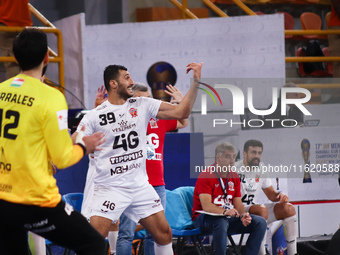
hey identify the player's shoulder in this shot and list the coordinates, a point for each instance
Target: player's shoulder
(136, 101)
(90, 114)
(50, 97)
(143, 100)
(103, 106)
(47, 92)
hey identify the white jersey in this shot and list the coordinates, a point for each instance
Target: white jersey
(121, 162)
(251, 184)
(89, 188)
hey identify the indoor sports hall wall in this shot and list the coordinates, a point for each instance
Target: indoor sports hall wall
(248, 51)
(235, 47)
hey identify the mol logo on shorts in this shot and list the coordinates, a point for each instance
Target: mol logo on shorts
(158, 203)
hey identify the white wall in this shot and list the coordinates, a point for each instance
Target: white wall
(318, 219)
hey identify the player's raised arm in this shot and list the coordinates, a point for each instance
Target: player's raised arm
(177, 97)
(183, 109)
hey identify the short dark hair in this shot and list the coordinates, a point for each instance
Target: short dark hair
(253, 143)
(30, 48)
(111, 73)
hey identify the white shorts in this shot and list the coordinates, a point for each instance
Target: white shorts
(270, 209)
(88, 190)
(138, 203)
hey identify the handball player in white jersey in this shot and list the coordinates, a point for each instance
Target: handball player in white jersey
(120, 181)
(251, 185)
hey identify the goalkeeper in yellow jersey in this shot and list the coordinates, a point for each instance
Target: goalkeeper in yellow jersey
(33, 133)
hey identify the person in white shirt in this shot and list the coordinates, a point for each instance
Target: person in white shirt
(120, 181)
(251, 185)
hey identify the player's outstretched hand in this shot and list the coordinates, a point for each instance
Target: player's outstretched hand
(91, 142)
(100, 96)
(175, 93)
(196, 68)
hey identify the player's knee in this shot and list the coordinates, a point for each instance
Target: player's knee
(263, 212)
(260, 211)
(114, 226)
(288, 210)
(164, 237)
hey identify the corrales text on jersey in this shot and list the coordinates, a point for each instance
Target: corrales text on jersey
(16, 98)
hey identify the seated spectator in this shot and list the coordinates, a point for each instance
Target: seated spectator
(218, 191)
(251, 185)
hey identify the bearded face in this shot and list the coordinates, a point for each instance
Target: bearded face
(253, 156)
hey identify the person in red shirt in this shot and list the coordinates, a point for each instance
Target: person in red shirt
(218, 208)
(13, 13)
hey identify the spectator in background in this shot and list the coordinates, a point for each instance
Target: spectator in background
(218, 193)
(334, 47)
(293, 112)
(13, 13)
(251, 185)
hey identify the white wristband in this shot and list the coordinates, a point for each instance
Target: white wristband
(79, 138)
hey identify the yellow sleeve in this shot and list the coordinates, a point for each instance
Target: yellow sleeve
(59, 144)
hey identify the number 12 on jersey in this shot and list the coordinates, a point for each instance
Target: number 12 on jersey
(13, 116)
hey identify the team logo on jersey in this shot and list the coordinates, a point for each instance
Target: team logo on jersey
(250, 187)
(231, 186)
(153, 123)
(122, 123)
(133, 112)
(257, 178)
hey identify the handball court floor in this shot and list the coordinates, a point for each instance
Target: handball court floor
(315, 245)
